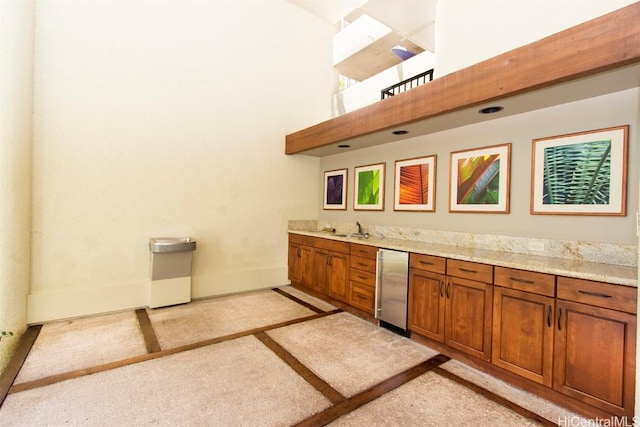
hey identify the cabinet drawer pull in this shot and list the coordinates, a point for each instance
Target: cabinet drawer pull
(362, 251)
(329, 259)
(362, 277)
(595, 294)
(549, 316)
(526, 282)
(425, 262)
(442, 288)
(362, 264)
(467, 270)
(361, 297)
(448, 290)
(299, 253)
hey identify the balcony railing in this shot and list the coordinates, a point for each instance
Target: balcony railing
(407, 84)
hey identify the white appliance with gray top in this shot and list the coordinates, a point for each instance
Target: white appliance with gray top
(392, 289)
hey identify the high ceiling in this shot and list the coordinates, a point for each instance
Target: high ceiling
(412, 24)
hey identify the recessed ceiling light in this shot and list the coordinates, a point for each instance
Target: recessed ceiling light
(344, 146)
(491, 110)
(400, 132)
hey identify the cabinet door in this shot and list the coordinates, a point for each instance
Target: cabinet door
(306, 273)
(468, 316)
(339, 275)
(295, 263)
(321, 270)
(523, 334)
(595, 356)
(426, 304)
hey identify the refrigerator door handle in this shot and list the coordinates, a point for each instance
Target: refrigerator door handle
(377, 308)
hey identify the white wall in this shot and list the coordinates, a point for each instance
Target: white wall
(168, 119)
(16, 72)
(470, 31)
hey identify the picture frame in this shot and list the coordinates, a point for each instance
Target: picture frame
(583, 173)
(479, 179)
(415, 184)
(369, 187)
(335, 189)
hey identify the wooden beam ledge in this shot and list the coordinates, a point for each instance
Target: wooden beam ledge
(605, 43)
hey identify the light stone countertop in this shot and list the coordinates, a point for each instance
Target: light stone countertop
(600, 272)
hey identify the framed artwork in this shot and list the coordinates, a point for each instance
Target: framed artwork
(581, 173)
(369, 187)
(479, 180)
(415, 184)
(335, 189)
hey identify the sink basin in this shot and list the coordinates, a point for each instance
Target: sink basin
(358, 235)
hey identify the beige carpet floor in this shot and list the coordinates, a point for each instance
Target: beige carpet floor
(249, 378)
(350, 353)
(81, 343)
(216, 317)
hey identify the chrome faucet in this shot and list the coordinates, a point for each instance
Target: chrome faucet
(360, 233)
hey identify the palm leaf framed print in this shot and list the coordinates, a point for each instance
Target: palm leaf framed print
(581, 173)
(479, 180)
(415, 184)
(369, 187)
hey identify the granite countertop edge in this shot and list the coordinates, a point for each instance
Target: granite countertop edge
(599, 272)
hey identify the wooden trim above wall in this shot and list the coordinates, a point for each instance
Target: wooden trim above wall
(606, 43)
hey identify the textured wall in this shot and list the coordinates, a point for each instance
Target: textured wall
(16, 48)
(168, 119)
(484, 29)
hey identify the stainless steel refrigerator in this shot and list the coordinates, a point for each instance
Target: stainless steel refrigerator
(392, 286)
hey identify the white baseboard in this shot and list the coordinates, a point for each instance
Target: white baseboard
(64, 304)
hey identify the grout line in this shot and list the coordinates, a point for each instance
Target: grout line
(148, 333)
(143, 358)
(352, 403)
(318, 383)
(494, 397)
(17, 360)
(298, 300)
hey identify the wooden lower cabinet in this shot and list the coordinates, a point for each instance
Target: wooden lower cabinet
(523, 334)
(453, 310)
(362, 277)
(523, 315)
(331, 273)
(339, 276)
(295, 262)
(300, 260)
(468, 316)
(595, 356)
(427, 303)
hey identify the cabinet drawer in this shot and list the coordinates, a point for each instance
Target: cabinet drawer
(302, 240)
(528, 281)
(470, 270)
(362, 297)
(431, 263)
(364, 251)
(364, 264)
(332, 245)
(615, 297)
(364, 277)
